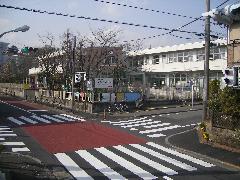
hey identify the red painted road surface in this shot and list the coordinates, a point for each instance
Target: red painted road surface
(57, 138)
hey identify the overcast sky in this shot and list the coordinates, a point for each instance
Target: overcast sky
(57, 25)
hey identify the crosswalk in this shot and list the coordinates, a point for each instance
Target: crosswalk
(6, 134)
(46, 119)
(133, 161)
(150, 126)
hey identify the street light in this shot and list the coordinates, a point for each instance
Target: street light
(22, 29)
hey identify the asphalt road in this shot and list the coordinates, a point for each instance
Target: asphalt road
(123, 148)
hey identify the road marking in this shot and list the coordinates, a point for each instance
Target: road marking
(2, 139)
(164, 158)
(181, 155)
(156, 135)
(12, 143)
(103, 168)
(147, 161)
(159, 129)
(52, 118)
(28, 120)
(142, 124)
(135, 122)
(131, 120)
(157, 125)
(25, 149)
(160, 115)
(73, 117)
(133, 129)
(6, 135)
(5, 128)
(41, 119)
(9, 131)
(15, 120)
(177, 113)
(38, 110)
(127, 164)
(64, 118)
(72, 167)
(167, 178)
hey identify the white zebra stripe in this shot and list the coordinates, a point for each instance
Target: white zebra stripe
(2, 139)
(127, 164)
(181, 155)
(52, 118)
(64, 118)
(72, 167)
(156, 135)
(25, 149)
(141, 124)
(103, 168)
(147, 161)
(157, 125)
(165, 158)
(28, 120)
(9, 131)
(40, 119)
(7, 135)
(15, 121)
(73, 117)
(135, 122)
(126, 121)
(12, 143)
(5, 129)
(159, 130)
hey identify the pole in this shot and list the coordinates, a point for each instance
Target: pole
(73, 71)
(206, 66)
(192, 95)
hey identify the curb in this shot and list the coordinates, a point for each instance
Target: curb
(217, 162)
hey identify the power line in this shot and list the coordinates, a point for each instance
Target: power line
(222, 3)
(146, 9)
(103, 20)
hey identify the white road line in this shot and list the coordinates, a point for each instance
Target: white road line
(25, 149)
(15, 120)
(38, 110)
(128, 165)
(164, 158)
(80, 119)
(4, 129)
(160, 115)
(133, 129)
(41, 119)
(3, 126)
(2, 139)
(135, 122)
(156, 135)
(159, 129)
(72, 167)
(28, 120)
(167, 178)
(103, 168)
(147, 161)
(64, 118)
(177, 113)
(181, 155)
(52, 118)
(12, 143)
(141, 124)
(131, 120)
(7, 135)
(157, 125)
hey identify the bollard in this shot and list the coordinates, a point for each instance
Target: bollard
(104, 114)
(26, 96)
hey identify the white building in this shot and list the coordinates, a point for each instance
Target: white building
(176, 66)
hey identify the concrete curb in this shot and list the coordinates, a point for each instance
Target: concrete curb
(215, 161)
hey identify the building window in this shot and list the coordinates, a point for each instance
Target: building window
(172, 58)
(218, 53)
(180, 57)
(146, 60)
(164, 58)
(156, 59)
(201, 55)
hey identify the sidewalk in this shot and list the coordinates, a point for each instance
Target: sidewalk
(189, 141)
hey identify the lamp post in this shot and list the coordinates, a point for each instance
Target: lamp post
(22, 29)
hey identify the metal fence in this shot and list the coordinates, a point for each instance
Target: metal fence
(224, 121)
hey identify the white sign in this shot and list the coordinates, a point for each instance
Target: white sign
(79, 76)
(103, 82)
(89, 85)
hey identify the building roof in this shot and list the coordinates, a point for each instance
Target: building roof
(180, 47)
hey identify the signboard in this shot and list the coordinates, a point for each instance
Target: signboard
(103, 82)
(79, 76)
(89, 85)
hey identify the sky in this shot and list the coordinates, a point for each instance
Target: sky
(42, 24)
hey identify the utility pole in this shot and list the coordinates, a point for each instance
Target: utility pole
(206, 65)
(73, 71)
